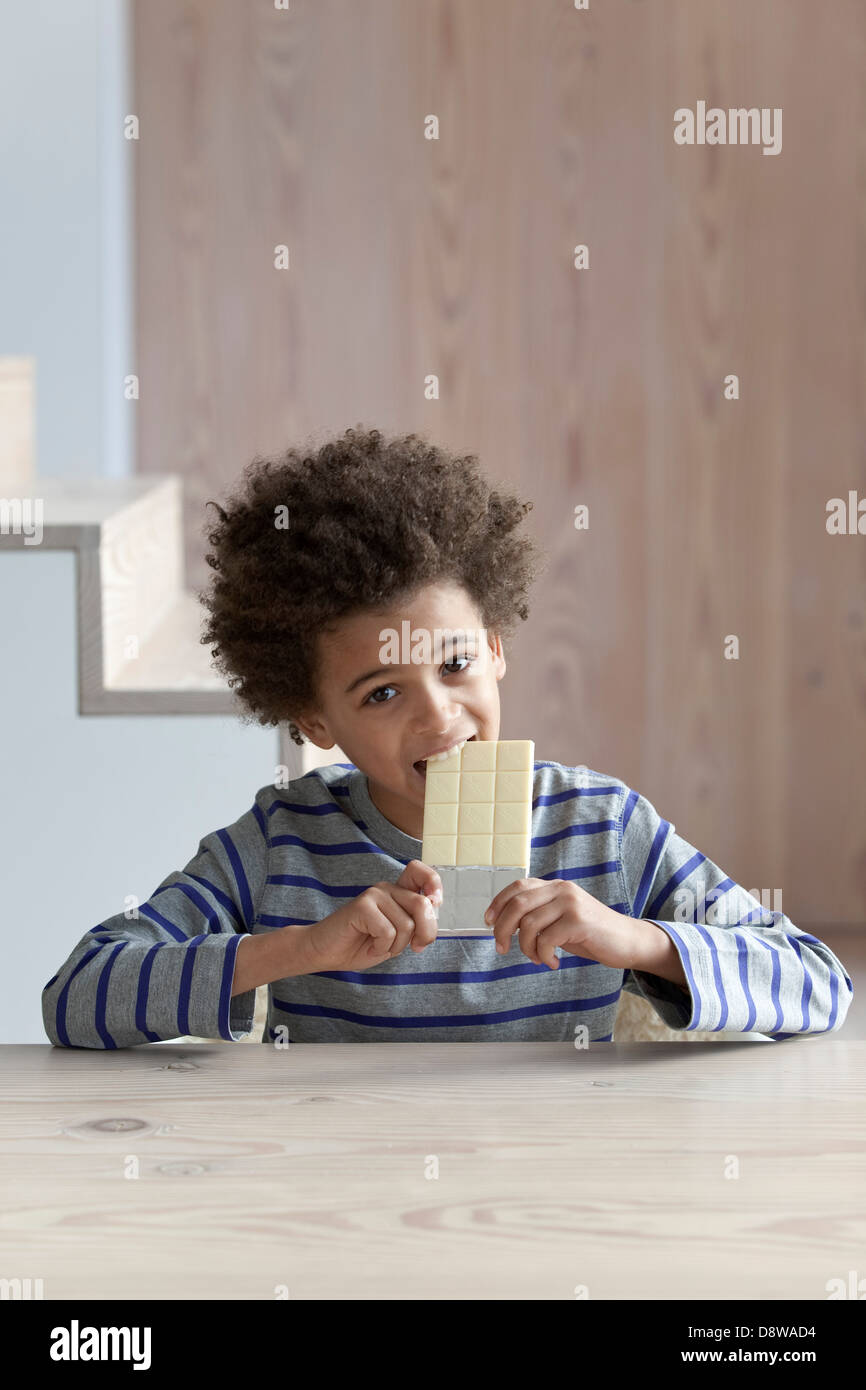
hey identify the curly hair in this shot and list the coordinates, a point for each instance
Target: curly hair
(370, 521)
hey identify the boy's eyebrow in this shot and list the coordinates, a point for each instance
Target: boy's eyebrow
(379, 671)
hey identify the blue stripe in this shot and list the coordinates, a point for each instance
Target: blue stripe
(343, 847)
(60, 1013)
(775, 996)
(610, 866)
(807, 984)
(448, 977)
(717, 977)
(557, 798)
(764, 916)
(834, 999)
(719, 890)
(650, 868)
(628, 806)
(175, 932)
(303, 881)
(570, 831)
(102, 997)
(209, 912)
(299, 809)
(222, 898)
(185, 989)
(452, 1020)
(684, 871)
(239, 872)
(225, 1001)
(142, 994)
(262, 823)
(743, 964)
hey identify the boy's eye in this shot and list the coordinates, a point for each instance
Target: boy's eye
(377, 691)
(379, 688)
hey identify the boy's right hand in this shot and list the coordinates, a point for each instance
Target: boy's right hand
(378, 924)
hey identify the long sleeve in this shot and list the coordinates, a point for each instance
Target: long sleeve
(168, 972)
(748, 969)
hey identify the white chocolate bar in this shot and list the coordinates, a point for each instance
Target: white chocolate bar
(477, 827)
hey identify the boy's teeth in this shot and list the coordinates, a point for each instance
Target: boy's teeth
(437, 757)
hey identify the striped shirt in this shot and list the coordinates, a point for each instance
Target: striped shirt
(301, 852)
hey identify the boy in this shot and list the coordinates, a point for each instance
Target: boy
(319, 889)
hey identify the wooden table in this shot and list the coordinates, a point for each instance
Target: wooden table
(302, 1172)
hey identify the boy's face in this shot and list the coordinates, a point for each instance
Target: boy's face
(385, 715)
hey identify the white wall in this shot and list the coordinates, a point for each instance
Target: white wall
(65, 253)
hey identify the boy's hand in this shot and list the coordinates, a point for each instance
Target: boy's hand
(547, 913)
(378, 924)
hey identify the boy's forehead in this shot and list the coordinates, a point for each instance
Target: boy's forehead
(435, 609)
(402, 646)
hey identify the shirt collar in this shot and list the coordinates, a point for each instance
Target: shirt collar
(379, 829)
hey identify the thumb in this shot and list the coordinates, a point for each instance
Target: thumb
(421, 878)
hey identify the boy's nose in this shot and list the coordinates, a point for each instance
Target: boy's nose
(435, 716)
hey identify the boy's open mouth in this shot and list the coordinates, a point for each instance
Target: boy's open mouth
(421, 767)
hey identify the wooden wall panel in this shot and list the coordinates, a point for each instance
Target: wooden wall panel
(604, 387)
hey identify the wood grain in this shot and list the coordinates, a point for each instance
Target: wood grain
(305, 1167)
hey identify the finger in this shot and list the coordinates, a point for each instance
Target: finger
(420, 907)
(376, 925)
(505, 895)
(532, 923)
(403, 922)
(382, 918)
(412, 916)
(522, 901)
(421, 878)
(547, 938)
(426, 923)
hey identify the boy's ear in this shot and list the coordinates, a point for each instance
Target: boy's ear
(494, 641)
(315, 729)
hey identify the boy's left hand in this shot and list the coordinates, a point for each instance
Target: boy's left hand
(547, 913)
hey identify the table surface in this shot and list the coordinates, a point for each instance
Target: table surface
(434, 1170)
